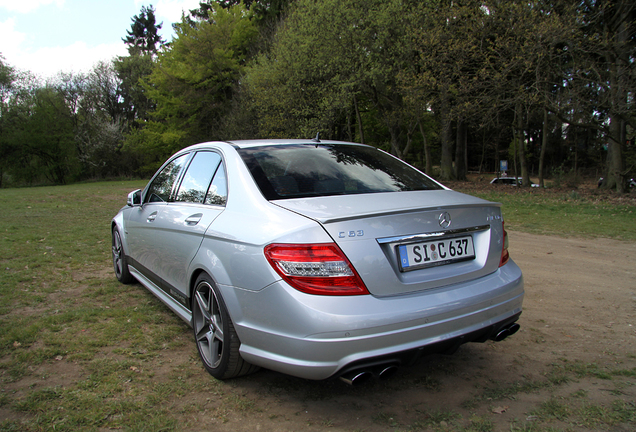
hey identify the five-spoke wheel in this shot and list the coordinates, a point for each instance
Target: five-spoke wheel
(119, 259)
(208, 325)
(217, 341)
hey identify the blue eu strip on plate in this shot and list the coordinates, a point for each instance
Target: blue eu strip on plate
(404, 256)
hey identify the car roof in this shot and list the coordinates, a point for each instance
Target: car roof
(240, 144)
(271, 142)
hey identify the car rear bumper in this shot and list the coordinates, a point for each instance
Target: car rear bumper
(316, 337)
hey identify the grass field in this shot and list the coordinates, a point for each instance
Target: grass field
(583, 212)
(79, 351)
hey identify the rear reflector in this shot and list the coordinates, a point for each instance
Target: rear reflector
(504, 250)
(319, 268)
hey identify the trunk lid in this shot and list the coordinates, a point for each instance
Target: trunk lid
(377, 231)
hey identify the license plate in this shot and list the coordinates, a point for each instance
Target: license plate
(435, 252)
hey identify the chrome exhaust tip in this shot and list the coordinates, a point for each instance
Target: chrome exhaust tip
(514, 328)
(501, 335)
(387, 372)
(356, 378)
(506, 331)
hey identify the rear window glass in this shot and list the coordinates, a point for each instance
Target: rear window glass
(197, 178)
(299, 171)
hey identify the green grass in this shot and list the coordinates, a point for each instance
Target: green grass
(566, 214)
(79, 351)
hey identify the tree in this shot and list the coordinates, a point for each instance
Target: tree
(47, 142)
(101, 125)
(25, 112)
(605, 64)
(483, 65)
(262, 10)
(194, 81)
(8, 87)
(65, 130)
(133, 102)
(448, 39)
(143, 43)
(333, 62)
(547, 83)
(143, 36)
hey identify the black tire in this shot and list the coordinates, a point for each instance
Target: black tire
(217, 341)
(120, 264)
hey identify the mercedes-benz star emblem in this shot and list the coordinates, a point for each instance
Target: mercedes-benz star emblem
(445, 220)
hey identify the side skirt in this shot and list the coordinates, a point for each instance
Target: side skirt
(176, 307)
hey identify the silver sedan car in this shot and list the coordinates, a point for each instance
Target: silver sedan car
(316, 258)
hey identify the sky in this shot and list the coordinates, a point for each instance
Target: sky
(49, 36)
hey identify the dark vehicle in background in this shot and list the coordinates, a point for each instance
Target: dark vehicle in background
(511, 181)
(631, 183)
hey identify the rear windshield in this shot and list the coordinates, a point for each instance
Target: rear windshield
(300, 171)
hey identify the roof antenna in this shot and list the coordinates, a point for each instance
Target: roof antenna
(317, 139)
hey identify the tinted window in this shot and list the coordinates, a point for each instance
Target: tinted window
(197, 177)
(161, 186)
(294, 171)
(217, 194)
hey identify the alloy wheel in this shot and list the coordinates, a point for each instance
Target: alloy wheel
(117, 254)
(208, 325)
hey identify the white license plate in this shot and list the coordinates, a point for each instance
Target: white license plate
(435, 252)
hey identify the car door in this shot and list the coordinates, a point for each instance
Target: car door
(182, 222)
(141, 222)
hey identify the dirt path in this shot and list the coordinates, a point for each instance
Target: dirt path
(571, 365)
(584, 291)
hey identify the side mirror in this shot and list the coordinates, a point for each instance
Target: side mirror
(134, 198)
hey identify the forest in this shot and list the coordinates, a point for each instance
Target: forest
(452, 87)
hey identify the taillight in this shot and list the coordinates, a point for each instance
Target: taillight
(504, 250)
(319, 268)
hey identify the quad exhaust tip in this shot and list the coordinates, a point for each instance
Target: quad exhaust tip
(359, 376)
(506, 331)
(386, 371)
(356, 378)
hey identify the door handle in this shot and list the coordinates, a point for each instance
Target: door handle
(152, 217)
(194, 219)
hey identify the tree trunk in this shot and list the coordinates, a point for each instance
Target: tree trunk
(618, 71)
(544, 145)
(521, 147)
(359, 118)
(497, 159)
(483, 153)
(394, 131)
(409, 136)
(446, 167)
(460, 151)
(616, 137)
(515, 145)
(427, 151)
(615, 155)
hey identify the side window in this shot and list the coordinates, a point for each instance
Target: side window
(161, 186)
(217, 193)
(197, 178)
